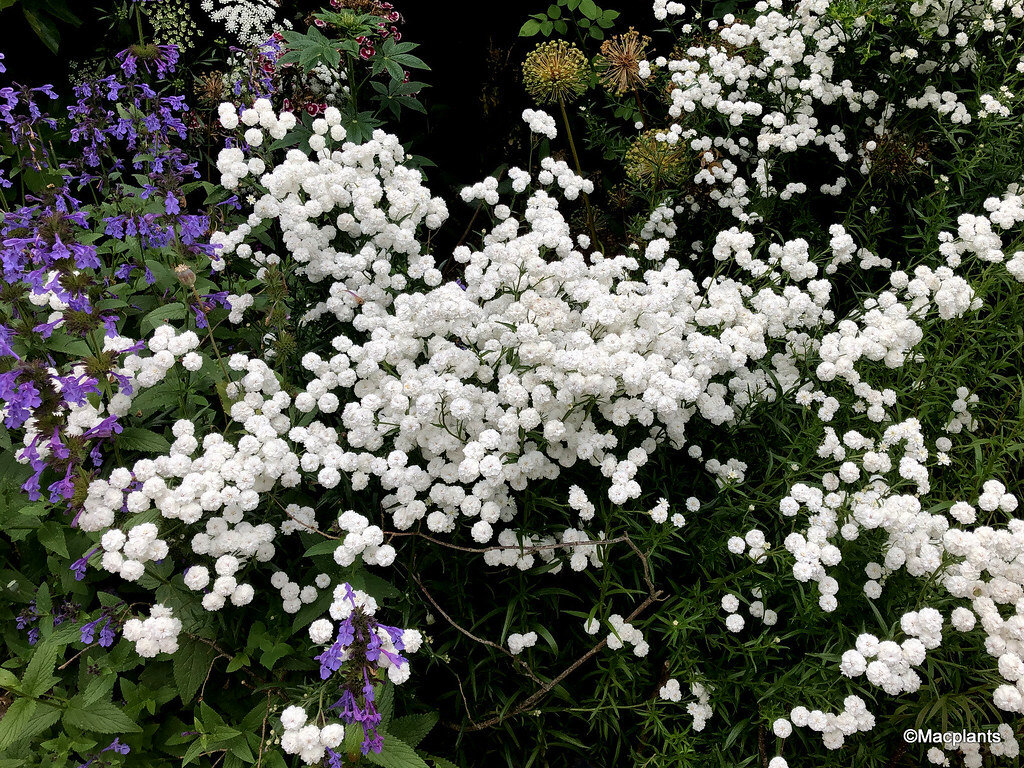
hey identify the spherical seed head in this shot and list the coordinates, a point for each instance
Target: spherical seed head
(651, 160)
(555, 71)
(619, 61)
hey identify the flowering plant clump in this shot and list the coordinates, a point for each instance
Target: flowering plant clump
(700, 445)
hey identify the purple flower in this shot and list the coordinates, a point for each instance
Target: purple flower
(107, 637)
(20, 399)
(6, 337)
(80, 565)
(88, 630)
(114, 746)
(163, 57)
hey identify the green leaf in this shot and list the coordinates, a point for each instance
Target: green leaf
(410, 61)
(39, 677)
(274, 653)
(161, 315)
(45, 716)
(44, 28)
(99, 717)
(145, 440)
(15, 723)
(394, 69)
(8, 680)
(59, 9)
(441, 762)
(325, 547)
(51, 536)
(412, 729)
(589, 9)
(191, 665)
(554, 12)
(396, 754)
(99, 688)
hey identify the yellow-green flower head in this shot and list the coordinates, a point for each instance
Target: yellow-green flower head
(555, 71)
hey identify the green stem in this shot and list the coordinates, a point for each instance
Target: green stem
(579, 170)
(640, 107)
(138, 23)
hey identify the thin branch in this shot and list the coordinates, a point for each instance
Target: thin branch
(517, 547)
(547, 687)
(519, 662)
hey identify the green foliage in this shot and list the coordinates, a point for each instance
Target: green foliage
(584, 17)
(43, 17)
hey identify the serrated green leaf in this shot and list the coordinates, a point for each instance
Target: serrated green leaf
(39, 677)
(145, 440)
(191, 665)
(98, 717)
(412, 729)
(396, 754)
(16, 722)
(410, 61)
(51, 536)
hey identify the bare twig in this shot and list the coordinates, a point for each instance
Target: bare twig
(517, 547)
(654, 595)
(547, 687)
(519, 662)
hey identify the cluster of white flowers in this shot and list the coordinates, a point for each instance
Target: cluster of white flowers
(540, 122)
(755, 540)
(517, 643)
(625, 633)
(250, 22)
(835, 728)
(156, 634)
(888, 664)
(662, 9)
(308, 741)
(126, 555)
(451, 398)
(700, 710)
(362, 539)
(660, 223)
(971, 751)
(558, 171)
(293, 595)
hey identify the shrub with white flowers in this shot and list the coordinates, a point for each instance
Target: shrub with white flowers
(712, 455)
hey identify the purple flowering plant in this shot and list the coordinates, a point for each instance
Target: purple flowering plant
(105, 237)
